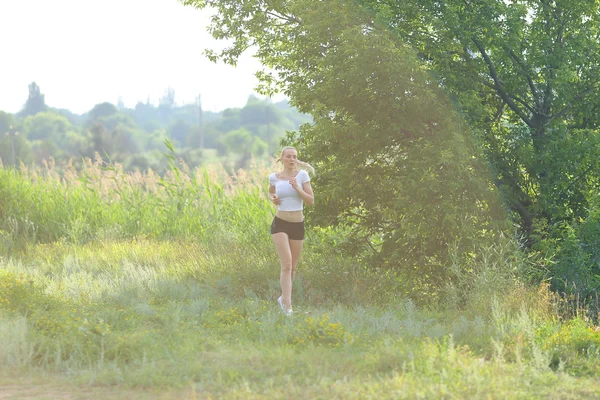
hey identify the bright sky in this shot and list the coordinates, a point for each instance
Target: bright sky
(84, 52)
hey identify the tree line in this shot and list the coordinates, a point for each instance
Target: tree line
(135, 136)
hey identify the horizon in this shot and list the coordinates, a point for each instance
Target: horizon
(81, 55)
(156, 104)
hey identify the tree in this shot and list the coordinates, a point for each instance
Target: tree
(102, 110)
(395, 165)
(525, 73)
(179, 131)
(257, 112)
(209, 135)
(168, 98)
(166, 104)
(243, 143)
(47, 132)
(35, 102)
(47, 125)
(45, 149)
(100, 140)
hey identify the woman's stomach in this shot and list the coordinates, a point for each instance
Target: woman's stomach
(290, 216)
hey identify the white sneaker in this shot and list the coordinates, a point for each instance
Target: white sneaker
(283, 308)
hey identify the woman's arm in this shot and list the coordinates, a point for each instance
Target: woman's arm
(272, 196)
(307, 193)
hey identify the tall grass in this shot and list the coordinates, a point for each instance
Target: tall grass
(138, 280)
(46, 204)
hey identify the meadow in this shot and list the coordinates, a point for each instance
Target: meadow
(132, 285)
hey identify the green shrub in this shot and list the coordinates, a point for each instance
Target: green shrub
(318, 331)
(575, 344)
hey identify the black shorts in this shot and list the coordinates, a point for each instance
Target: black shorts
(294, 230)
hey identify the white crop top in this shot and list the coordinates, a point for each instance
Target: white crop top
(289, 198)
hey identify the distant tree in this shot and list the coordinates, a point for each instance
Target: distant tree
(102, 110)
(124, 140)
(166, 104)
(244, 144)
(230, 120)
(100, 140)
(179, 131)
(112, 132)
(35, 102)
(146, 116)
(259, 112)
(75, 119)
(118, 118)
(155, 140)
(76, 144)
(192, 157)
(168, 98)
(210, 135)
(46, 125)
(44, 149)
(137, 162)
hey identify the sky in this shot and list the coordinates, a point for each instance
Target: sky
(85, 52)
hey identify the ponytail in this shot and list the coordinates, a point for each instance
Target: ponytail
(306, 166)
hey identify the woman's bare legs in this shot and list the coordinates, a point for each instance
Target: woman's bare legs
(282, 244)
(296, 249)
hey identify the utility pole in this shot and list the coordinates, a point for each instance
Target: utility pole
(200, 119)
(12, 133)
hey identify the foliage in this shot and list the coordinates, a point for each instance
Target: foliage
(575, 266)
(35, 102)
(96, 289)
(133, 137)
(319, 332)
(517, 73)
(568, 342)
(394, 162)
(524, 75)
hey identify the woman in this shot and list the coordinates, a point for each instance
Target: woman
(289, 189)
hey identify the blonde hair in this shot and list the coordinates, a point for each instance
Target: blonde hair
(301, 164)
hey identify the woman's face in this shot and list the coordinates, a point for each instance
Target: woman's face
(289, 158)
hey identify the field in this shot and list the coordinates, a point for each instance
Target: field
(116, 285)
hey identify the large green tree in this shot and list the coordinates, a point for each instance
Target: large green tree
(394, 165)
(525, 75)
(525, 72)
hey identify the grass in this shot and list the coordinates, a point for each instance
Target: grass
(97, 299)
